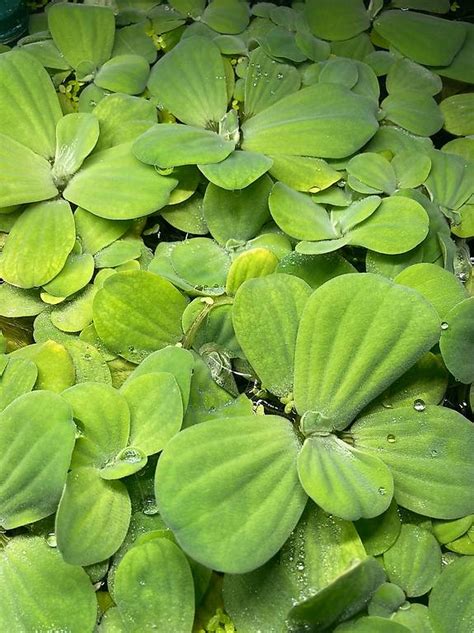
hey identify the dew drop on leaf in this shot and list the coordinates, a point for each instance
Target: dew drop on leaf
(51, 539)
(419, 405)
(382, 491)
(444, 325)
(391, 439)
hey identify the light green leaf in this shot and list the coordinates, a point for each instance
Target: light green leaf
(372, 624)
(189, 81)
(124, 73)
(314, 269)
(258, 262)
(339, 601)
(92, 518)
(386, 600)
(156, 563)
(266, 82)
(17, 302)
(38, 590)
(153, 420)
(83, 33)
(414, 111)
(358, 334)
(339, 71)
(202, 263)
(229, 490)
(96, 233)
(336, 22)
(373, 170)
(89, 363)
(405, 74)
(76, 273)
(297, 215)
(32, 183)
(411, 168)
(226, 16)
(104, 182)
(76, 136)
(237, 215)
(129, 461)
(76, 314)
(303, 173)
(169, 145)
(360, 210)
(122, 118)
(239, 170)
(461, 68)
(29, 105)
(425, 39)
(414, 561)
(324, 120)
(457, 341)
(55, 368)
(266, 314)
(398, 225)
(453, 609)
(446, 531)
(458, 111)
(380, 533)
(138, 312)
(134, 39)
(450, 182)
(342, 480)
(322, 247)
(117, 253)
(429, 453)
(39, 244)
(38, 435)
(440, 287)
(103, 420)
(18, 377)
(47, 53)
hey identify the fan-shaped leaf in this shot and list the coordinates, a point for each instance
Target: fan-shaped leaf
(457, 341)
(339, 21)
(453, 610)
(124, 73)
(237, 171)
(428, 452)
(229, 490)
(357, 335)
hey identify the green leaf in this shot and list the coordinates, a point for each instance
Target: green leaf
(405, 74)
(138, 312)
(156, 563)
(124, 73)
(189, 81)
(18, 377)
(398, 225)
(380, 533)
(237, 215)
(322, 247)
(386, 600)
(266, 314)
(29, 105)
(314, 269)
(339, 71)
(96, 233)
(16, 302)
(336, 22)
(103, 420)
(372, 624)
(38, 435)
(55, 368)
(450, 180)
(339, 601)
(411, 168)
(414, 111)
(229, 490)
(134, 39)
(324, 120)
(266, 82)
(358, 334)
(453, 609)
(310, 222)
(122, 118)
(129, 461)
(360, 210)
(428, 451)
(239, 170)
(75, 275)
(47, 53)
(202, 263)
(103, 185)
(38, 590)
(93, 517)
(458, 112)
(258, 262)
(76, 136)
(169, 145)
(153, 421)
(373, 170)
(457, 341)
(226, 16)
(461, 68)
(303, 173)
(342, 480)
(440, 287)
(83, 33)
(414, 561)
(38, 244)
(423, 38)
(117, 253)
(32, 184)
(75, 315)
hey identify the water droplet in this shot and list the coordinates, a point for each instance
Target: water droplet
(130, 455)
(87, 356)
(387, 405)
(142, 583)
(444, 325)
(419, 405)
(300, 566)
(382, 491)
(51, 539)
(149, 507)
(131, 349)
(280, 76)
(463, 277)
(391, 438)
(434, 452)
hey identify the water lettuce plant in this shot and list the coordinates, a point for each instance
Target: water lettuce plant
(237, 315)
